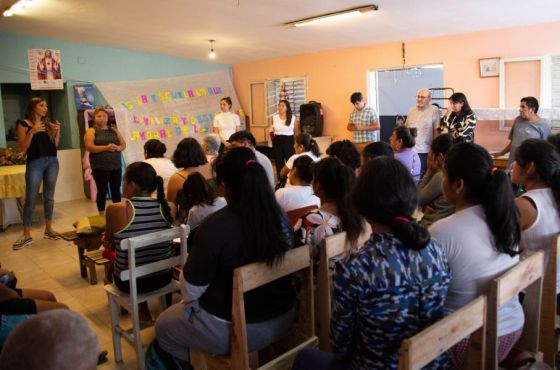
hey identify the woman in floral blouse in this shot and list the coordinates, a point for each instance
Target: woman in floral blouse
(332, 182)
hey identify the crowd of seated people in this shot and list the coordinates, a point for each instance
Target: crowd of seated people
(472, 229)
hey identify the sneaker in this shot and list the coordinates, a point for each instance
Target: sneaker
(22, 242)
(51, 234)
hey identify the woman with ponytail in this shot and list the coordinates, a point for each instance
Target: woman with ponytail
(537, 169)
(251, 228)
(389, 289)
(139, 214)
(480, 239)
(332, 183)
(304, 145)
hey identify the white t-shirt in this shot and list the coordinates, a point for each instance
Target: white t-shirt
(540, 234)
(226, 122)
(296, 197)
(280, 127)
(474, 262)
(198, 213)
(164, 168)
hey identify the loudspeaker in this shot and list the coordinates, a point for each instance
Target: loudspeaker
(311, 118)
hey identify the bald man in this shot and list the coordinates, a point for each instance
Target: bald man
(425, 118)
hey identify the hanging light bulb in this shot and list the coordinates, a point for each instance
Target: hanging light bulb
(212, 54)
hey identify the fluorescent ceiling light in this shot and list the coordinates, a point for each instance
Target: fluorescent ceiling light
(331, 16)
(17, 7)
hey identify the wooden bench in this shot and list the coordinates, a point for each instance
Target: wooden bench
(549, 334)
(95, 258)
(84, 243)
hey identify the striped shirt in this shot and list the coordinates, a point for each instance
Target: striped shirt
(147, 217)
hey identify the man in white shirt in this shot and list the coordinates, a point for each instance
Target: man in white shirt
(246, 139)
(425, 119)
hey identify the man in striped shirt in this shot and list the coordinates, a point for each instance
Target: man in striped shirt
(363, 122)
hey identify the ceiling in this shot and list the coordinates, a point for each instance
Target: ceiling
(250, 30)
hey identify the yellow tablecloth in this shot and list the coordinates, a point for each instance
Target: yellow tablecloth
(12, 181)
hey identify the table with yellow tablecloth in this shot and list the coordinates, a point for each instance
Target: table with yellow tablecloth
(12, 187)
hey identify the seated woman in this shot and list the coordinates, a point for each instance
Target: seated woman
(346, 152)
(332, 182)
(251, 228)
(211, 146)
(300, 194)
(430, 196)
(201, 198)
(537, 169)
(190, 157)
(139, 214)
(402, 143)
(480, 239)
(376, 149)
(154, 151)
(392, 287)
(304, 145)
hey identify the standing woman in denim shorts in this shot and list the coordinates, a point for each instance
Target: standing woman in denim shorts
(38, 137)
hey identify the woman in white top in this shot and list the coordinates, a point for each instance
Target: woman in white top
(283, 127)
(154, 151)
(226, 122)
(304, 145)
(300, 194)
(480, 239)
(537, 168)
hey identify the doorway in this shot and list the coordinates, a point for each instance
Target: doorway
(392, 92)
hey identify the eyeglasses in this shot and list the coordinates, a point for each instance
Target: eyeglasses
(422, 97)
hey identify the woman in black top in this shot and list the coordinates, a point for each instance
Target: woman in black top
(459, 120)
(38, 137)
(251, 228)
(105, 144)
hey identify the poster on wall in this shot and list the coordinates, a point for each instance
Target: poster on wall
(45, 69)
(169, 109)
(83, 96)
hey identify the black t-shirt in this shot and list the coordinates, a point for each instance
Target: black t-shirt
(41, 144)
(216, 252)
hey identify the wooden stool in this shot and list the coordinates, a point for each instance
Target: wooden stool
(93, 258)
(85, 243)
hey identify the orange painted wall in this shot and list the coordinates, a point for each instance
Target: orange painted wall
(332, 76)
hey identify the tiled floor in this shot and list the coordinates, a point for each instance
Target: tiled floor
(53, 265)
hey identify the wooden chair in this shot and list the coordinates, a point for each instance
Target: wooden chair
(331, 247)
(250, 277)
(130, 301)
(526, 276)
(548, 339)
(421, 349)
(295, 214)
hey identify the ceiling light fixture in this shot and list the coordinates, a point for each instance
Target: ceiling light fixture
(331, 16)
(212, 54)
(17, 7)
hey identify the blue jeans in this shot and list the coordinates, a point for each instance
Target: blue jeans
(43, 169)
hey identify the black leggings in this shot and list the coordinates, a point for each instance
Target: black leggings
(104, 178)
(282, 150)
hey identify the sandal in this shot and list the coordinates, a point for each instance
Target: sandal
(102, 357)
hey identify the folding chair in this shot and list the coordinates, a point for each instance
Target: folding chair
(130, 301)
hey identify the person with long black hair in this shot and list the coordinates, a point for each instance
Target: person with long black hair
(459, 120)
(251, 228)
(390, 288)
(304, 145)
(332, 183)
(537, 169)
(283, 127)
(139, 214)
(480, 239)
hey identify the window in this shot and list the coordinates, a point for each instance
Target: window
(292, 89)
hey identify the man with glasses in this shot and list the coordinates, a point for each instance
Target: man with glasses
(363, 122)
(528, 125)
(425, 119)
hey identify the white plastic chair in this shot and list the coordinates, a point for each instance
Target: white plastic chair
(130, 301)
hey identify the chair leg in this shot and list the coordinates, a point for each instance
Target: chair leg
(92, 271)
(115, 329)
(137, 338)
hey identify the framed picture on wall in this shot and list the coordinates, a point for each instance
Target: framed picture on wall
(489, 67)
